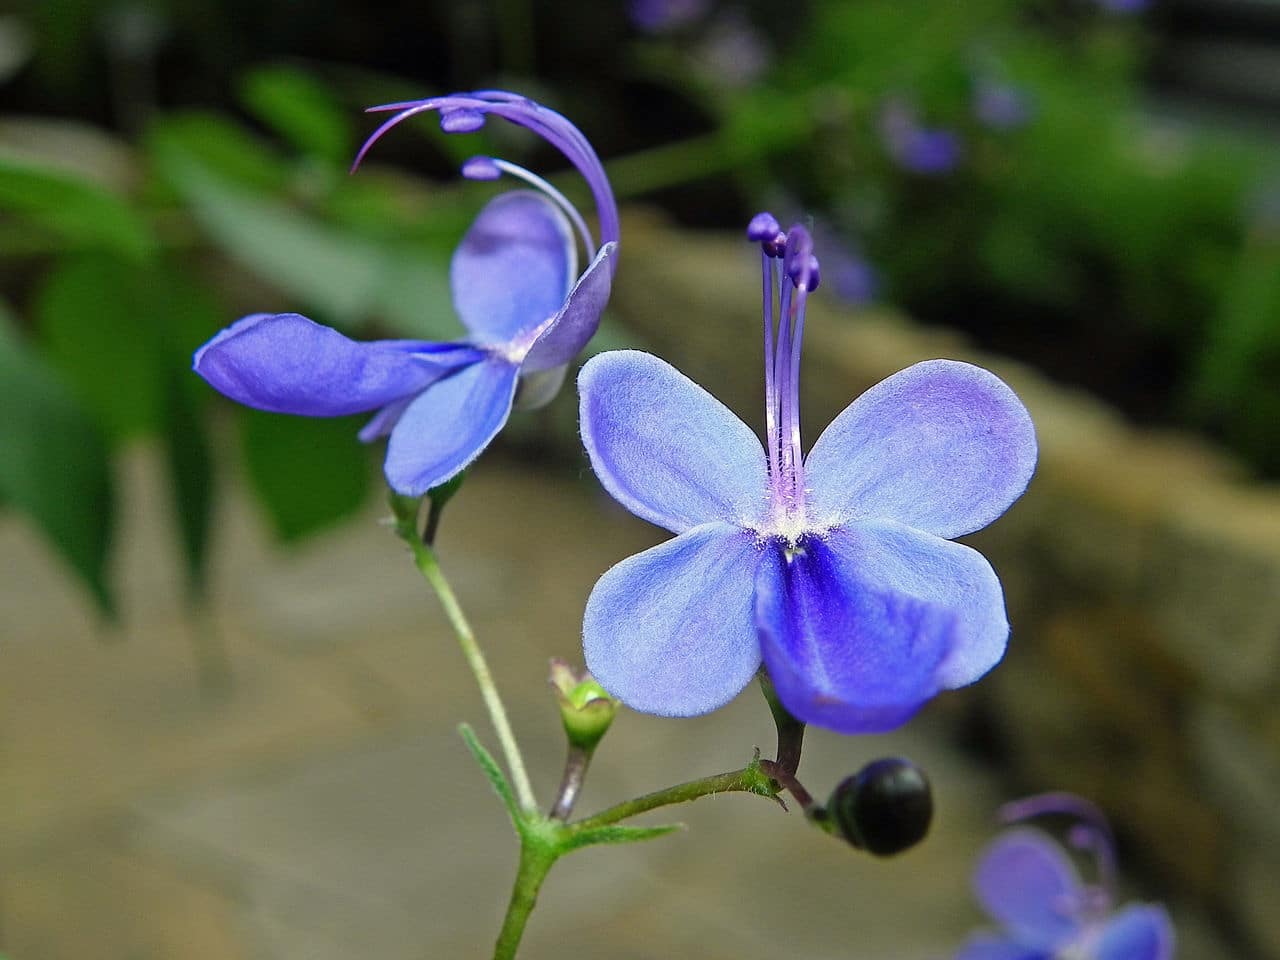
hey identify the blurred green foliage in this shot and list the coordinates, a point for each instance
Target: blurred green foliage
(1089, 234)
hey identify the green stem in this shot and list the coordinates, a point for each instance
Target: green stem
(425, 559)
(536, 860)
(750, 779)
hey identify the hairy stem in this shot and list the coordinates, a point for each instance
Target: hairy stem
(750, 779)
(535, 861)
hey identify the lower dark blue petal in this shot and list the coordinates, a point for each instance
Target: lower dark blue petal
(842, 653)
(286, 363)
(1140, 932)
(1027, 883)
(449, 425)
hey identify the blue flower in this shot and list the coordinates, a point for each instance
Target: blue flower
(1032, 889)
(833, 569)
(1001, 106)
(516, 288)
(661, 16)
(928, 151)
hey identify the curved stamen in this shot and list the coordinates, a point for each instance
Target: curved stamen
(556, 197)
(548, 124)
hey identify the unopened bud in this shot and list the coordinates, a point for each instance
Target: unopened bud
(586, 708)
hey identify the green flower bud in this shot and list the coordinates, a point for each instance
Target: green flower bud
(585, 707)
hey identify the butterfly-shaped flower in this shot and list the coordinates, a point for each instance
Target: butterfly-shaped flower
(1029, 886)
(515, 286)
(835, 569)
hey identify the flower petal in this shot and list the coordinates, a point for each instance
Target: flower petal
(666, 449)
(577, 321)
(942, 446)
(1141, 932)
(984, 946)
(892, 558)
(1028, 885)
(449, 425)
(513, 268)
(668, 631)
(285, 363)
(842, 655)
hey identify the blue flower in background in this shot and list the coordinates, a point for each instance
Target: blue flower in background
(1031, 888)
(929, 151)
(1001, 106)
(660, 16)
(515, 286)
(833, 569)
(1124, 6)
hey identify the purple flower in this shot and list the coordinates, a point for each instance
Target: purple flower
(929, 151)
(516, 289)
(1032, 889)
(1001, 106)
(833, 569)
(660, 16)
(1124, 6)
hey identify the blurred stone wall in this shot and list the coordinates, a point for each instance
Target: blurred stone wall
(1142, 572)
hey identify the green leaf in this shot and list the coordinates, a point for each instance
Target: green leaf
(218, 145)
(190, 466)
(300, 109)
(80, 214)
(617, 834)
(54, 464)
(308, 472)
(103, 341)
(348, 278)
(492, 771)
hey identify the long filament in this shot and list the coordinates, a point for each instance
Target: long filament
(529, 177)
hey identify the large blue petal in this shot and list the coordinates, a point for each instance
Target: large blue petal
(668, 631)
(985, 946)
(576, 324)
(449, 425)
(285, 363)
(666, 449)
(1141, 932)
(942, 446)
(513, 269)
(1028, 885)
(895, 559)
(842, 654)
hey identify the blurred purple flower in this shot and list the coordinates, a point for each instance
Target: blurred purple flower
(1001, 106)
(660, 16)
(515, 286)
(1124, 6)
(1031, 888)
(834, 569)
(929, 151)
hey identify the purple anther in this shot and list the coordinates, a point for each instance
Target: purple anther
(481, 168)
(799, 251)
(813, 275)
(777, 247)
(461, 120)
(763, 227)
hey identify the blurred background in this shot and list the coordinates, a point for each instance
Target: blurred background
(226, 725)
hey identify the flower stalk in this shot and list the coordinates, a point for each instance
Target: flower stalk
(424, 557)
